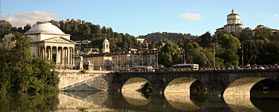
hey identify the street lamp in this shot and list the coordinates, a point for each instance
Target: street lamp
(184, 60)
(157, 53)
(242, 58)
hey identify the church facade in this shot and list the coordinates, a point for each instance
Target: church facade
(48, 41)
(233, 23)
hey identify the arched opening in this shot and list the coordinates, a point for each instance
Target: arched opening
(242, 86)
(137, 91)
(265, 95)
(186, 93)
(265, 89)
(252, 94)
(135, 98)
(198, 93)
(135, 84)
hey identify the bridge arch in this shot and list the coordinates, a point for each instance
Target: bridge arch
(241, 103)
(242, 86)
(135, 98)
(178, 93)
(131, 91)
(253, 94)
(181, 101)
(184, 85)
(134, 84)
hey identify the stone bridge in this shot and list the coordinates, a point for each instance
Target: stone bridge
(215, 82)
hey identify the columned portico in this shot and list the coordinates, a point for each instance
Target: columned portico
(51, 43)
(60, 55)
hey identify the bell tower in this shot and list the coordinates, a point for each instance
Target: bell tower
(106, 46)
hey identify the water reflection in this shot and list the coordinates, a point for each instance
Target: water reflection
(181, 101)
(29, 102)
(135, 98)
(133, 101)
(240, 103)
(83, 101)
(266, 104)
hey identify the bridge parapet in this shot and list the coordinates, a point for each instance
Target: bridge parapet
(216, 81)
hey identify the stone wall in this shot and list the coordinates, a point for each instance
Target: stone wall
(76, 80)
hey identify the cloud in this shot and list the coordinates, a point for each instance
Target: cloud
(22, 18)
(276, 16)
(191, 16)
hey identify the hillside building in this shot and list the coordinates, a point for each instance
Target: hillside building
(120, 61)
(233, 23)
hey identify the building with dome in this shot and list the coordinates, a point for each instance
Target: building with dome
(233, 23)
(48, 41)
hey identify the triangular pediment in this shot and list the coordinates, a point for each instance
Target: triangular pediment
(58, 39)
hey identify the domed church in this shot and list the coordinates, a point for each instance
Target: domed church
(233, 23)
(48, 41)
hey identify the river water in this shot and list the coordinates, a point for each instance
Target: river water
(132, 102)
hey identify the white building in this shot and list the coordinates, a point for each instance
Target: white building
(233, 23)
(48, 41)
(140, 40)
(120, 61)
(106, 48)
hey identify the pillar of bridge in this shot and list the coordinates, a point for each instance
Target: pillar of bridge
(215, 87)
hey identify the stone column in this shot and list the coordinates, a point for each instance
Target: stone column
(40, 55)
(66, 56)
(44, 52)
(56, 56)
(63, 56)
(60, 56)
(46, 55)
(50, 53)
(70, 55)
(68, 50)
(73, 57)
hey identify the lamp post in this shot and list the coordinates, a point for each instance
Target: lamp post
(157, 52)
(242, 58)
(184, 60)
(214, 56)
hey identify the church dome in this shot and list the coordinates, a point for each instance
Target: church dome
(45, 27)
(233, 15)
(106, 40)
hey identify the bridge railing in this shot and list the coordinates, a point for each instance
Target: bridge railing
(252, 68)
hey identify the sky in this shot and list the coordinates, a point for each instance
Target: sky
(140, 17)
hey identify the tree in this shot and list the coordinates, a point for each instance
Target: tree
(263, 33)
(5, 28)
(229, 46)
(205, 39)
(153, 45)
(169, 54)
(246, 34)
(21, 72)
(250, 51)
(76, 30)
